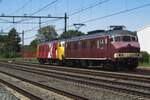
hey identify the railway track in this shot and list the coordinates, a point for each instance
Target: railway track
(133, 76)
(28, 94)
(139, 86)
(37, 97)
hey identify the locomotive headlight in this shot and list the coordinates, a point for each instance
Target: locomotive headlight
(116, 55)
(127, 55)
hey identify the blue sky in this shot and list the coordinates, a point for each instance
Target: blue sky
(134, 20)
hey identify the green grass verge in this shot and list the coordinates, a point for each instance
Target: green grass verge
(32, 60)
(144, 64)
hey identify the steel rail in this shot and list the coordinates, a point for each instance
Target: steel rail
(61, 92)
(85, 80)
(22, 91)
(125, 76)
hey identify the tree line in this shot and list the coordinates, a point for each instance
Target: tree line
(10, 44)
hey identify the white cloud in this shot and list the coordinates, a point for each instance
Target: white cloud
(144, 39)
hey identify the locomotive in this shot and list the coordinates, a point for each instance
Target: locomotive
(116, 48)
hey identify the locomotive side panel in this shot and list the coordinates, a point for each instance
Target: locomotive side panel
(87, 49)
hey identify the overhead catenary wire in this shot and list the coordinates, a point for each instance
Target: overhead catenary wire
(110, 15)
(30, 37)
(114, 14)
(88, 7)
(17, 10)
(77, 11)
(35, 12)
(117, 13)
(44, 7)
(39, 10)
(5, 20)
(22, 7)
(21, 23)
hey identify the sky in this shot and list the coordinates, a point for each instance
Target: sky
(78, 11)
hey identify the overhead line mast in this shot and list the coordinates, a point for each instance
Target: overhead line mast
(37, 17)
(37, 11)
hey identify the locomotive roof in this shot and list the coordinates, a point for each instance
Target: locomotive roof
(95, 34)
(102, 33)
(88, 36)
(121, 32)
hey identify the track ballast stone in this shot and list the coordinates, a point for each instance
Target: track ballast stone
(6, 95)
(92, 93)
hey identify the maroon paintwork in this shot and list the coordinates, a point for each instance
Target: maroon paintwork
(88, 48)
(74, 49)
(123, 47)
(113, 47)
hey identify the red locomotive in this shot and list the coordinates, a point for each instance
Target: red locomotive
(116, 48)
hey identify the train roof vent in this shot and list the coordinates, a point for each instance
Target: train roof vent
(115, 27)
(96, 31)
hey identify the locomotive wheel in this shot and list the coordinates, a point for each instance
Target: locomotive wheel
(41, 61)
(118, 67)
(83, 64)
(132, 67)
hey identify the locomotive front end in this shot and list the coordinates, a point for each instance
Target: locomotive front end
(126, 49)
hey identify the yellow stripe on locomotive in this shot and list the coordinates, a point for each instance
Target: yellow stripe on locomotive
(60, 50)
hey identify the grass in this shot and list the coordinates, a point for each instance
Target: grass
(32, 60)
(145, 64)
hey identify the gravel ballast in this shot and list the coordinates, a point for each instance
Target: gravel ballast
(83, 90)
(5, 94)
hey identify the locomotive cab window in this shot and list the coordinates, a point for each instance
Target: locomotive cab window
(124, 39)
(134, 38)
(117, 39)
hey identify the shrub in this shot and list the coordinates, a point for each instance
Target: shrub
(145, 57)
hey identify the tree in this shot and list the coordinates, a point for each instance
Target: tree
(3, 39)
(70, 33)
(145, 57)
(47, 33)
(34, 43)
(12, 46)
